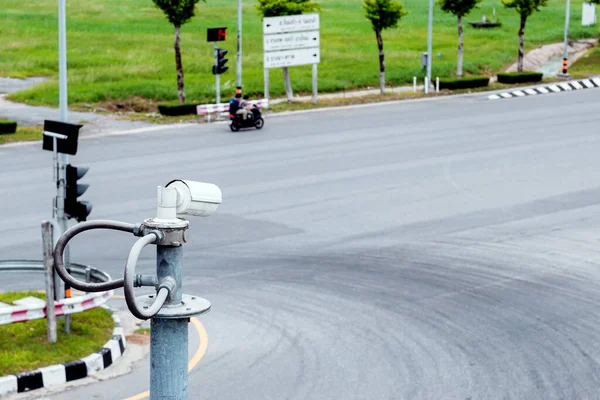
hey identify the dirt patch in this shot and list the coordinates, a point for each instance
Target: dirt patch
(131, 105)
(134, 104)
(138, 338)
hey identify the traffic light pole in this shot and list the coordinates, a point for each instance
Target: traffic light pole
(217, 76)
(62, 159)
(59, 213)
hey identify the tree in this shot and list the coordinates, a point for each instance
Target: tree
(525, 8)
(383, 14)
(279, 8)
(459, 8)
(178, 12)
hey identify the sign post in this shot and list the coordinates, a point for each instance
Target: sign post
(291, 41)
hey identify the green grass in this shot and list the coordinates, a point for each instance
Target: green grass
(119, 49)
(23, 134)
(24, 347)
(587, 65)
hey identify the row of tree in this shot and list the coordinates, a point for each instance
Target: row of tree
(383, 14)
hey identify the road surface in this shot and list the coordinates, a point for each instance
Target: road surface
(444, 249)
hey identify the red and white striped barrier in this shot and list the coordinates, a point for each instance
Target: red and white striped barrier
(33, 308)
(207, 109)
(204, 109)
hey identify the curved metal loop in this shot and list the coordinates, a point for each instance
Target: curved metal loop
(165, 287)
(70, 234)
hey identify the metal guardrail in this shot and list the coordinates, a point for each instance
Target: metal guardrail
(20, 313)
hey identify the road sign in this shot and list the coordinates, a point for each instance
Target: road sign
(588, 15)
(65, 146)
(291, 23)
(290, 41)
(216, 34)
(296, 40)
(289, 58)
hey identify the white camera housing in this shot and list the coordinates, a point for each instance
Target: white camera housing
(196, 198)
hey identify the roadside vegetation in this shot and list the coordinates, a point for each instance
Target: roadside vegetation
(123, 49)
(23, 134)
(24, 347)
(587, 65)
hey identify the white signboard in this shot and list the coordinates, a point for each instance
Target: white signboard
(290, 58)
(297, 40)
(588, 16)
(291, 23)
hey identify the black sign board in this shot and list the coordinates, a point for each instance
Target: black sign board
(64, 146)
(216, 34)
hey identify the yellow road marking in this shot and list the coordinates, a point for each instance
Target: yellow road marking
(203, 336)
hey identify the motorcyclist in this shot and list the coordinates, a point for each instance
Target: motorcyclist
(234, 104)
(245, 105)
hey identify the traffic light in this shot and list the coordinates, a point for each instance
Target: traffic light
(221, 61)
(74, 208)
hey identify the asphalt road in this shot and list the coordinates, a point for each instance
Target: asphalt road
(442, 249)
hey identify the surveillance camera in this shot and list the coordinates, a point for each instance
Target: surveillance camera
(196, 198)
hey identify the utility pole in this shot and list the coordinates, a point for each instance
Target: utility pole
(429, 47)
(238, 69)
(566, 49)
(63, 159)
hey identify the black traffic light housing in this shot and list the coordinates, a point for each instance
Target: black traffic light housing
(221, 61)
(78, 210)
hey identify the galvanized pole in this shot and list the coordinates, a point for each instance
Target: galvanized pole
(62, 59)
(238, 70)
(314, 84)
(169, 337)
(429, 46)
(48, 246)
(267, 89)
(63, 159)
(566, 49)
(217, 75)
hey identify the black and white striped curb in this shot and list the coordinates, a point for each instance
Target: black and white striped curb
(553, 88)
(60, 374)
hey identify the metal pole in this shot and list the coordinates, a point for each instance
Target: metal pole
(566, 49)
(63, 159)
(48, 271)
(217, 75)
(59, 203)
(266, 95)
(314, 84)
(238, 70)
(169, 337)
(62, 59)
(429, 46)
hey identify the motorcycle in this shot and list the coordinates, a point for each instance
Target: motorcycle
(254, 120)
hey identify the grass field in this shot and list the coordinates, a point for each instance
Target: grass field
(118, 49)
(588, 64)
(24, 347)
(22, 134)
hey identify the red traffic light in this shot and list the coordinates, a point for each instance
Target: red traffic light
(216, 34)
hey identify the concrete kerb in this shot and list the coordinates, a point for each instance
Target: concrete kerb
(56, 377)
